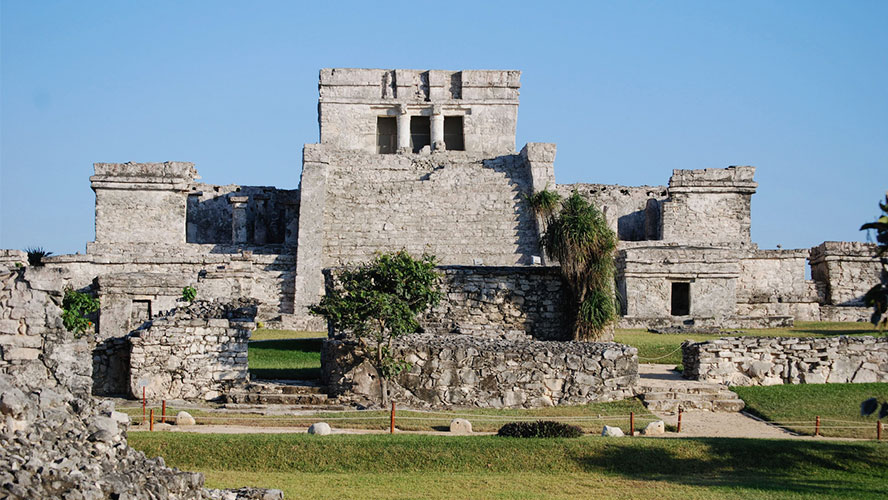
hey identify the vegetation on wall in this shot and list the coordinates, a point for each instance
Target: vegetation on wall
(36, 255)
(578, 237)
(189, 293)
(877, 296)
(380, 301)
(76, 310)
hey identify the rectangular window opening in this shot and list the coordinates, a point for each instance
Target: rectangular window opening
(681, 299)
(420, 132)
(453, 133)
(386, 135)
(141, 312)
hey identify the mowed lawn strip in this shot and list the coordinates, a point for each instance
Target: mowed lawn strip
(665, 348)
(293, 359)
(270, 334)
(590, 417)
(796, 407)
(755, 468)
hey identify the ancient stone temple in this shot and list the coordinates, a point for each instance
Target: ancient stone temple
(426, 161)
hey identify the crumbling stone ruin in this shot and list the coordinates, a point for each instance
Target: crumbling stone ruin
(56, 441)
(426, 161)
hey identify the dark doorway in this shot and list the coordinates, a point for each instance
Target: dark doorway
(681, 299)
(386, 135)
(420, 132)
(453, 133)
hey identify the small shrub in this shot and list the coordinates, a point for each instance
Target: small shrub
(189, 293)
(541, 429)
(76, 307)
(260, 325)
(36, 255)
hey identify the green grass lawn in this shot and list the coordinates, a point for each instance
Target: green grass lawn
(590, 417)
(295, 359)
(797, 406)
(268, 334)
(416, 466)
(665, 348)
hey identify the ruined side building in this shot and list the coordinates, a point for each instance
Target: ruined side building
(426, 161)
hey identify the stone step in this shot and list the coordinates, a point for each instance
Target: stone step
(707, 389)
(276, 398)
(671, 401)
(286, 387)
(282, 409)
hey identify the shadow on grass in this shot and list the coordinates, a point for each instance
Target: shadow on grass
(836, 333)
(779, 466)
(285, 373)
(290, 359)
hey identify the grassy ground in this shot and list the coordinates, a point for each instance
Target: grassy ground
(410, 466)
(796, 407)
(666, 348)
(590, 417)
(298, 359)
(268, 334)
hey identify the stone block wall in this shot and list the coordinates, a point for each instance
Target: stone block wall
(787, 360)
(709, 206)
(632, 212)
(352, 99)
(460, 207)
(198, 352)
(462, 370)
(271, 215)
(509, 302)
(846, 270)
(772, 283)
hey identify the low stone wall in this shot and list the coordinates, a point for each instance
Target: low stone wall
(462, 370)
(787, 360)
(197, 352)
(55, 440)
(508, 302)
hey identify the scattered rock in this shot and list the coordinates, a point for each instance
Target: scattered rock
(610, 431)
(460, 426)
(184, 418)
(320, 429)
(655, 429)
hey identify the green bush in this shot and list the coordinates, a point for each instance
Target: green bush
(76, 308)
(540, 429)
(189, 293)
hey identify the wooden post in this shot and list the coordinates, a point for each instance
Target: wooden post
(143, 405)
(817, 426)
(392, 423)
(679, 419)
(631, 423)
(163, 411)
(151, 420)
(878, 430)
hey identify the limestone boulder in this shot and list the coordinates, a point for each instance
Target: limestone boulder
(320, 429)
(657, 428)
(184, 418)
(460, 426)
(612, 431)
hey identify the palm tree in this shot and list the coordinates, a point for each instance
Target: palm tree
(579, 238)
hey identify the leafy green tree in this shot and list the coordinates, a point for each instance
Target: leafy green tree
(380, 301)
(578, 237)
(76, 310)
(877, 296)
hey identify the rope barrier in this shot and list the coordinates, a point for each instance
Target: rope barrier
(660, 357)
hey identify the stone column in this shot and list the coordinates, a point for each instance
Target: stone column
(403, 130)
(437, 120)
(238, 218)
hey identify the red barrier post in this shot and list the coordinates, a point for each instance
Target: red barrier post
(631, 423)
(392, 422)
(163, 411)
(878, 430)
(817, 426)
(151, 425)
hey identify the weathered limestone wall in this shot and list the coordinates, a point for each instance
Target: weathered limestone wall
(271, 215)
(465, 370)
(141, 202)
(632, 212)
(352, 99)
(460, 207)
(787, 360)
(709, 206)
(55, 440)
(645, 276)
(846, 269)
(197, 352)
(510, 302)
(772, 283)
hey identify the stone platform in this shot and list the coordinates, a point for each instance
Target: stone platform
(663, 389)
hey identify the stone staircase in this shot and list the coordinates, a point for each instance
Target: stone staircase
(294, 394)
(663, 389)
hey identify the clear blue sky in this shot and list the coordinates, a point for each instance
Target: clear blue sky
(628, 90)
